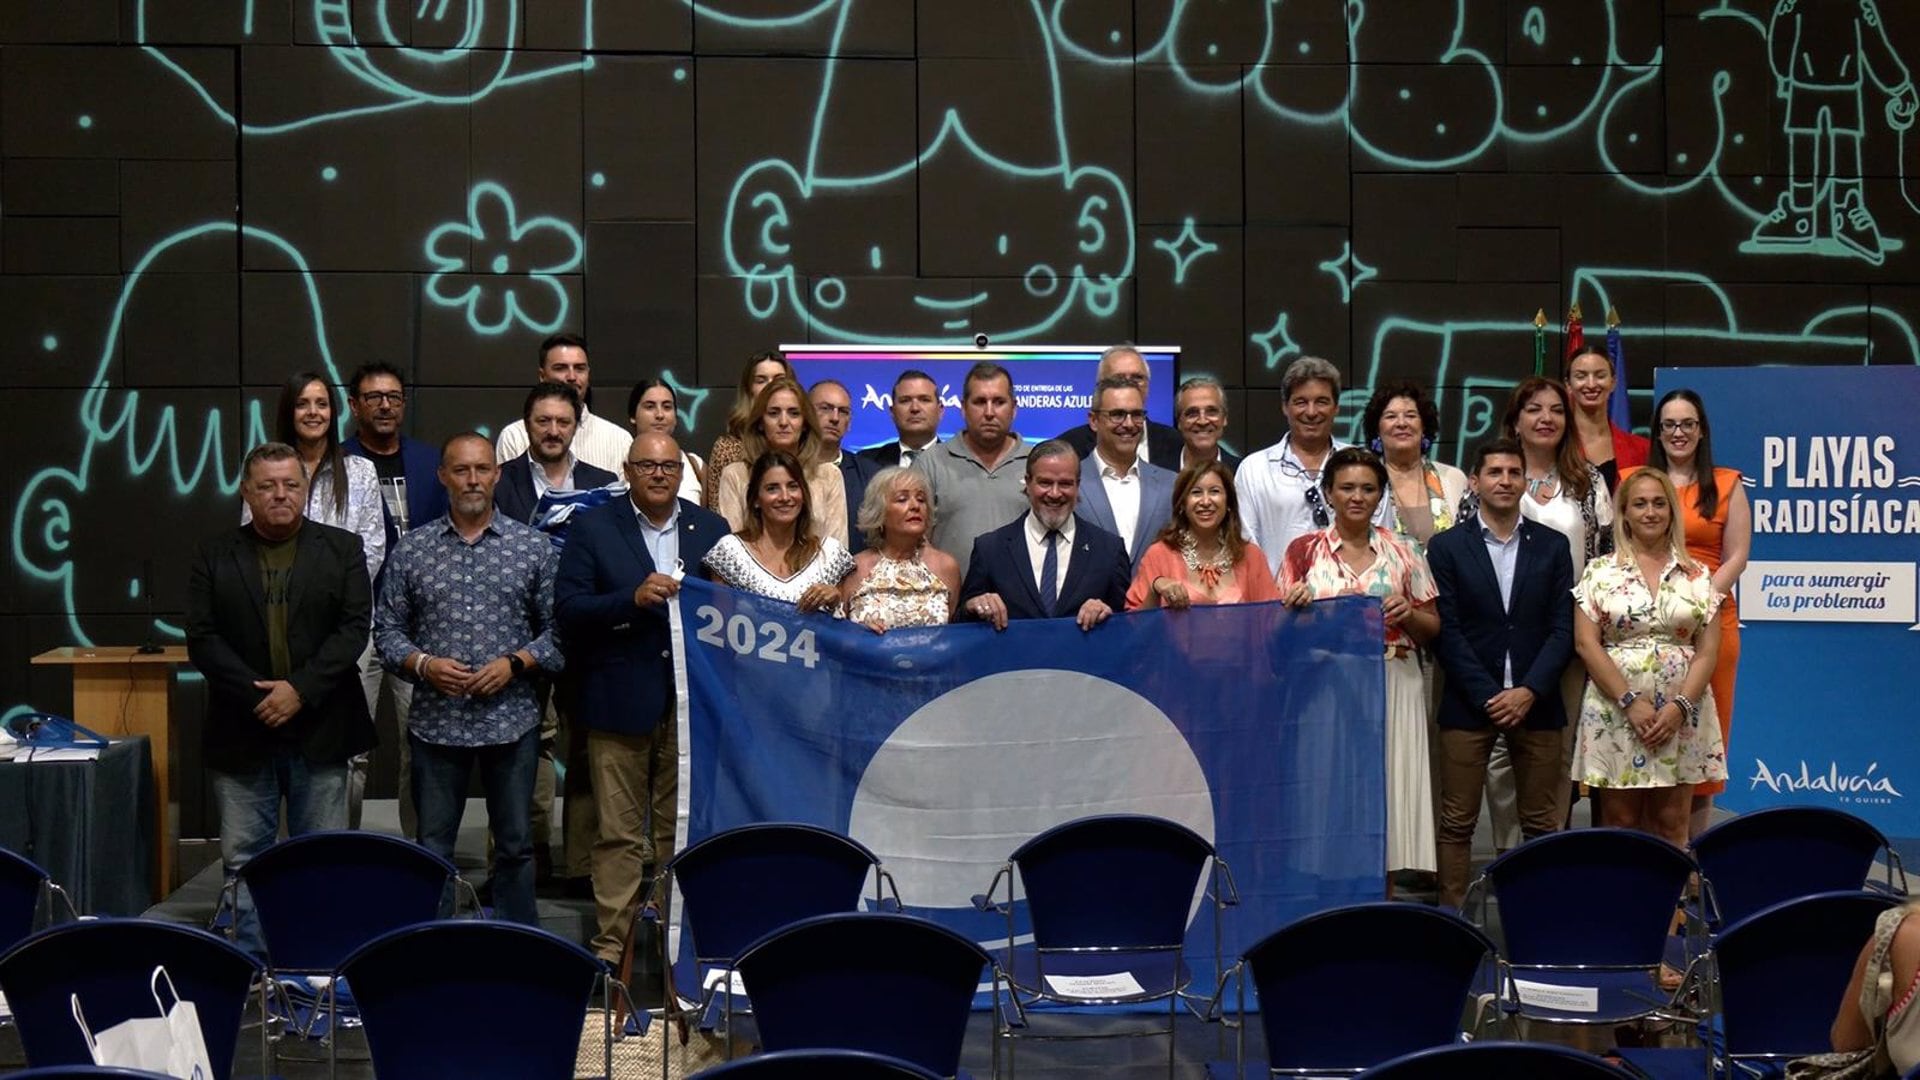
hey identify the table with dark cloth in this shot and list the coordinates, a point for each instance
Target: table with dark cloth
(87, 823)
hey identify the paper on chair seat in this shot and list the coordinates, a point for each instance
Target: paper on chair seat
(1118, 985)
(1584, 999)
(735, 985)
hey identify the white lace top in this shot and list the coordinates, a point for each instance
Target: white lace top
(731, 560)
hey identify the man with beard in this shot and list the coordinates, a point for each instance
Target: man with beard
(466, 611)
(551, 417)
(1050, 562)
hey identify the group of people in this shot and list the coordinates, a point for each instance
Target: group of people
(1554, 616)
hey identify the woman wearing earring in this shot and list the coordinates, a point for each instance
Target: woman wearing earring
(652, 407)
(761, 368)
(1424, 495)
(777, 552)
(1612, 450)
(1718, 521)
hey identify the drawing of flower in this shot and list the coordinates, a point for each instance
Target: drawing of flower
(502, 269)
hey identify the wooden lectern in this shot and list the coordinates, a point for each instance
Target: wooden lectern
(119, 690)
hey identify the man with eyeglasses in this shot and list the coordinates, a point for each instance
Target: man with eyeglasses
(1122, 494)
(617, 578)
(1161, 445)
(833, 408)
(410, 487)
(1200, 415)
(1279, 487)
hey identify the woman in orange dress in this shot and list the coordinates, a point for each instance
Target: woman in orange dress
(1719, 524)
(1200, 557)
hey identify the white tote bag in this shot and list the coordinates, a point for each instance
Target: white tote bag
(169, 1043)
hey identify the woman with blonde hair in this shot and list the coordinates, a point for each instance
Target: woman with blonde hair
(1646, 621)
(784, 421)
(900, 580)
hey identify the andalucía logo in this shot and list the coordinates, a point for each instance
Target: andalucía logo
(1849, 787)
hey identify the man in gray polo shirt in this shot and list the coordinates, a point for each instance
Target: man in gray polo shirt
(978, 477)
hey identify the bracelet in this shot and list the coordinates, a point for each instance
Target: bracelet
(420, 665)
(1687, 706)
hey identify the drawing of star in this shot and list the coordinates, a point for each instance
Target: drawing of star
(690, 397)
(1183, 249)
(1278, 333)
(1349, 271)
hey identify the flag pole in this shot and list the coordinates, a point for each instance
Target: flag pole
(1540, 342)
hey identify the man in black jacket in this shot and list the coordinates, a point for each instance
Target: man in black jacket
(278, 611)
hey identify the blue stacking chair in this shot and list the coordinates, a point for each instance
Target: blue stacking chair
(86, 1072)
(1346, 989)
(1107, 895)
(474, 999)
(323, 895)
(818, 1065)
(1496, 1061)
(737, 886)
(889, 984)
(1586, 912)
(1759, 859)
(24, 888)
(108, 964)
(1777, 976)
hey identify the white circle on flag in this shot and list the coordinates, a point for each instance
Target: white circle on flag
(982, 768)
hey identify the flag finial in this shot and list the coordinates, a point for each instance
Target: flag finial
(1574, 311)
(1540, 319)
(1613, 316)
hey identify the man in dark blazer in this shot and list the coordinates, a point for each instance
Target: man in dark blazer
(1200, 415)
(916, 411)
(278, 612)
(1047, 550)
(833, 408)
(552, 414)
(1506, 634)
(1163, 444)
(618, 574)
(1115, 471)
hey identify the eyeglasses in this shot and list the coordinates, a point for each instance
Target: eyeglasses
(1124, 416)
(1685, 426)
(833, 410)
(384, 397)
(654, 468)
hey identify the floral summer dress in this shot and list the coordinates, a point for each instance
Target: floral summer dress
(1651, 639)
(898, 593)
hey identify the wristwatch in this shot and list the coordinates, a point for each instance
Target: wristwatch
(518, 665)
(1627, 699)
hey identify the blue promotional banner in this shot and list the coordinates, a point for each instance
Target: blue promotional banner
(943, 749)
(1823, 706)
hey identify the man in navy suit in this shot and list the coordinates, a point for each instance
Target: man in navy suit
(552, 415)
(833, 407)
(1506, 634)
(916, 410)
(1161, 444)
(1118, 492)
(618, 574)
(1049, 562)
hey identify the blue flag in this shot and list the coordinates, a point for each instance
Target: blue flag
(943, 749)
(1617, 402)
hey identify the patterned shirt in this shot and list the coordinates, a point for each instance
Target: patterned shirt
(471, 602)
(1396, 570)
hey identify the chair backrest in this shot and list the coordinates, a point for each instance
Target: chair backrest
(21, 883)
(323, 895)
(1601, 897)
(891, 984)
(86, 1072)
(109, 963)
(1783, 969)
(473, 999)
(1114, 880)
(738, 886)
(1356, 986)
(1496, 1061)
(816, 1065)
(1746, 859)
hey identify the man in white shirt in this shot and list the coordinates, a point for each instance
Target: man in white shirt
(600, 443)
(1159, 443)
(1200, 415)
(916, 410)
(1120, 493)
(1279, 487)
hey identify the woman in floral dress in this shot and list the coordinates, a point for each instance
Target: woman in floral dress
(1646, 623)
(900, 580)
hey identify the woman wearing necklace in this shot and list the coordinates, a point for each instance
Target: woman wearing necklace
(1644, 621)
(1423, 494)
(1354, 557)
(1610, 449)
(1200, 557)
(777, 553)
(900, 580)
(1718, 522)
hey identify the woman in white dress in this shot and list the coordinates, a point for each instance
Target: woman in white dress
(653, 407)
(784, 420)
(776, 553)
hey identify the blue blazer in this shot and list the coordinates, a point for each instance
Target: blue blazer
(855, 471)
(513, 496)
(1000, 564)
(426, 495)
(1477, 633)
(1156, 503)
(619, 675)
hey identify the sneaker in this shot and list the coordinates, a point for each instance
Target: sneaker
(1855, 229)
(1786, 226)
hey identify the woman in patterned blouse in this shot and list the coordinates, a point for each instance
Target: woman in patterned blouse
(1355, 557)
